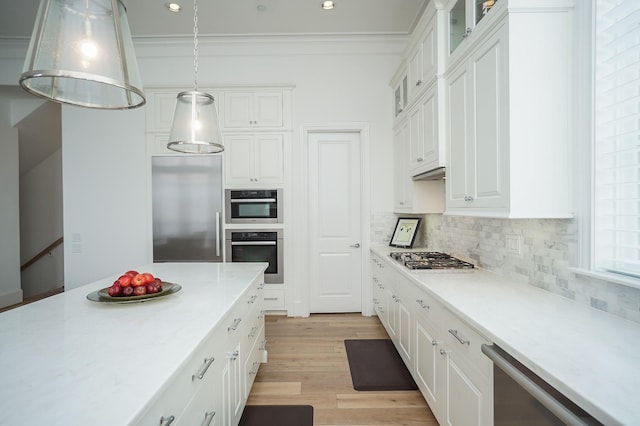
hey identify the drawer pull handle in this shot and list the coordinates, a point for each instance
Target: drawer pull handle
(422, 305)
(252, 333)
(233, 355)
(200, 375)
(434, 343)
(443, 351)
(254, 368)
(454, 333)
(270, 298)
(253, 299)
(235, 324)
(208, 417)
(166, 421)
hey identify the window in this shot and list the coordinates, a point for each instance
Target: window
(616, 151)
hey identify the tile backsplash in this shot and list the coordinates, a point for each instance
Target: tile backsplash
(533, 251)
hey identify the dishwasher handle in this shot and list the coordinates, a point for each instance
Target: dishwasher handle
(551, 403)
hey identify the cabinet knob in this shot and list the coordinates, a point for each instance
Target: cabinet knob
(418, 83)
(419, 159)
(434, 343)
(443, 351)
(233, 355)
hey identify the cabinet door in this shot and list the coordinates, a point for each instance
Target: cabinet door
(427, 365)
(464, 400)
(424, 137)
(269, 162)
(238, 110)
(404, 329)
(251, 110)
(402, 179)
(489, 162)
(457, 138)
(239, 159)
(415, 72)
(268, 110)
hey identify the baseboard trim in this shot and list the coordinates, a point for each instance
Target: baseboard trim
(10, 298)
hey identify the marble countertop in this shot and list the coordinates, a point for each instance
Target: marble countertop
(68, 361)
(591, 356)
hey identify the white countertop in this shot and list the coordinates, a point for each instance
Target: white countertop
(591, 356)
(68, 361)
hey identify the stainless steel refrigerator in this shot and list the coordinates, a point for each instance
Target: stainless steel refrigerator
(187, 208)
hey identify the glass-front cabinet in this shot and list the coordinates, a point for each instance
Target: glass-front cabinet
(464, 15)
(401, 96)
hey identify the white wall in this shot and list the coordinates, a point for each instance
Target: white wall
(104, 191)
(10, 291)
(41, 224)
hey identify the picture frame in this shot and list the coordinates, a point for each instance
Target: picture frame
(405, 232)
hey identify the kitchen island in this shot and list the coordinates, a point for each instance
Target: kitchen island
(591, 356)
(66, 360)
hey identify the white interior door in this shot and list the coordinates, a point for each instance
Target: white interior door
(335, 258)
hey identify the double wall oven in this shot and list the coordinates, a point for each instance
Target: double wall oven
(260, 236)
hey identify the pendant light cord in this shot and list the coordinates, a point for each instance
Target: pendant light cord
(195, 44)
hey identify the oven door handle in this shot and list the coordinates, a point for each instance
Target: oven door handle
(551, 403)
(253, 243)
(254, 200)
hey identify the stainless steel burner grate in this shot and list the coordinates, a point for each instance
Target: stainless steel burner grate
(430, 260)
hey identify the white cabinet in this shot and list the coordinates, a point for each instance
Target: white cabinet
(441, 351)
(462, 18)
(400, 93)
(508, 139)
(211, 388)
(478, 155)
(427, 148)
(254, 159)
(161, 104)
(423, 59)
(415, 197)
(261, 109)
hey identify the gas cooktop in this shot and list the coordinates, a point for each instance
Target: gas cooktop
(429, 260)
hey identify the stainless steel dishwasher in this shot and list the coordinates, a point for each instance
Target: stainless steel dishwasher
(522, 398)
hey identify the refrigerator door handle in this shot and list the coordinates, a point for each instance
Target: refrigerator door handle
(218, 232)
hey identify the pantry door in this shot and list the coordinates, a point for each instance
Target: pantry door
(335, 258)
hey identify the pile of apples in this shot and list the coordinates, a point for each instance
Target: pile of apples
(132, 283)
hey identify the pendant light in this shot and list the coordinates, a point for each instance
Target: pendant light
(195, 128)
(81, 53)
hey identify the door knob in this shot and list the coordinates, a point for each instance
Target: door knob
(356, 245)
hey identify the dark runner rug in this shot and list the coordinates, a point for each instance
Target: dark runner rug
(277, 415)
(376, 365)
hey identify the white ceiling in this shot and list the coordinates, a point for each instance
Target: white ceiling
(149, 18)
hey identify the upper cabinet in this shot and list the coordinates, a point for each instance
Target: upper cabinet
(508, 117)
(161, 104)
(256, 109)
(462, 18)
(423, 60)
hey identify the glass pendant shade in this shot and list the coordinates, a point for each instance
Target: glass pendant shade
(81, 53)
(195, 128)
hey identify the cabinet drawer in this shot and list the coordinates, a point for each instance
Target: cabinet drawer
(274, 298)
(186, 382)
(464, 344)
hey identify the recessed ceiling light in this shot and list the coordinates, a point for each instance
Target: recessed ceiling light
(261, 8)
(327, 5)
(173, 7)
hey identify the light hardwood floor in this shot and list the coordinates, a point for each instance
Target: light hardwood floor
(308, 365)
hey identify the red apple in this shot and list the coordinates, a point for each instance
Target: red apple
(127, 291)
(125, 280)
(152, 288)
(131, 273)
(148, 277)
(140, 290)
(115, 290)
(138, 280)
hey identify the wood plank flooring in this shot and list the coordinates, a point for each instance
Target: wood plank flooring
(308, 365)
